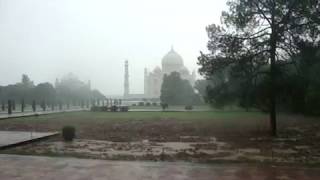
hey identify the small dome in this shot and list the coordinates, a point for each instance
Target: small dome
(172, 58)
(157, 70)
(184, 70)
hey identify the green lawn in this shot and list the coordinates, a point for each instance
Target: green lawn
(156, 125)
(99, 117)
(140, 125)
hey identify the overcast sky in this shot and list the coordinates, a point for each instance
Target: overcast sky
(47, 39)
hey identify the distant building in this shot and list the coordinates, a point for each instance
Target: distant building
(171, 62)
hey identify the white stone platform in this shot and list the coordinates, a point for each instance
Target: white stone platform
(12, 138)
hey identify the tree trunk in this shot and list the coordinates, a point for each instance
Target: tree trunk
(273, 46)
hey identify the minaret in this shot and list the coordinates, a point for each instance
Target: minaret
(56, 84)
(146, 85)
(126, 79)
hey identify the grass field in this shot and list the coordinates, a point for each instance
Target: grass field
(158, 126)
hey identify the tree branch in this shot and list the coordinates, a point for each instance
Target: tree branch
(262, 12)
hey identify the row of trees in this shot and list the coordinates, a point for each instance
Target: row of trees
(69, 90)
(265, 55)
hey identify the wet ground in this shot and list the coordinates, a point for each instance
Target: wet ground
(29, 113)
(189, 149)
(10, 138)
(14, 167)
(190, 137)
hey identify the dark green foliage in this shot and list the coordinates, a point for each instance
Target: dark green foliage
(68, 133)
(177, 91)
(43, 105)
(13, 103)
(68, 88)
(9, 107)
(124, 108)
(44, 92)
(164, 106)
(141, 104)
(113, 108)
(154, 104)
(257, 40)
(100, 109)
(201, 86)
(303, 95)
(22, 105)
(188, 107)
(34, 106)
(148, 104)
(95, 109)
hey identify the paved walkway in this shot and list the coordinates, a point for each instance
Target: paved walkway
(39, 168)
(12, 138)
(30, 113)
(167, 110)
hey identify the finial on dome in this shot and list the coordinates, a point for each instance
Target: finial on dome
(172, 48)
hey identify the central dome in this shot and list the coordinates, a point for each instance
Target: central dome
(172, 59)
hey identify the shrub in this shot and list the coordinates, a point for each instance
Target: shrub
(164, 106)
(154, 104)
(113, 108)
(124, 108)
(68, 133)
(188, 107)
(148, 104)
(95, 109)
(134, 105)
(141, 103)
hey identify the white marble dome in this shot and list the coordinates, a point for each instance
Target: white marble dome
(171, 62)
(172, 58)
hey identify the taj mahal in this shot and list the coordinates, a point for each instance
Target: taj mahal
(171, 62)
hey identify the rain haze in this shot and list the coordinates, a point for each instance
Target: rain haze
(160, 90)
(92, 39)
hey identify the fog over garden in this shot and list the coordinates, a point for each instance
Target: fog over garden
(164, 90)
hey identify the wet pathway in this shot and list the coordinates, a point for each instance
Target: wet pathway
(31, 167)
(13, 138)
(4, 115)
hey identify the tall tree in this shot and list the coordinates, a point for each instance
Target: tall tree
(177, 91)
(44, 92)
(26, 81)
(257, 36)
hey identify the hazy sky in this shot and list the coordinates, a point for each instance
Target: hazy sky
(91, 38)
